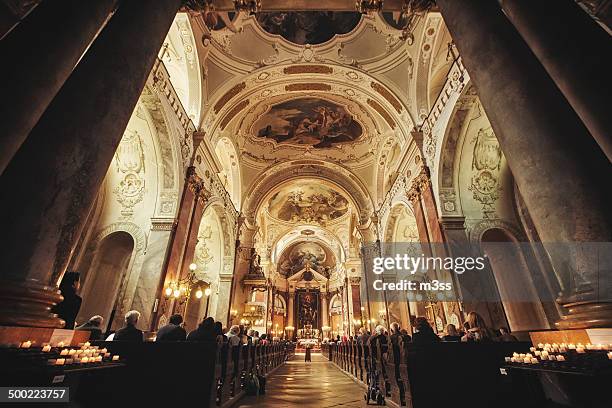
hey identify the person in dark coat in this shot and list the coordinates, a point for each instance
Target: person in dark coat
(68, 309)
(204, 332)
(130, 332)
(93, 327)
(424, 333)
(451, 333)
(173, 330)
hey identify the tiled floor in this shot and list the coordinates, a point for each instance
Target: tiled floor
(315, 384)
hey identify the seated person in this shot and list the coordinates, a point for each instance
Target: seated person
(424, 333)
(451, 333)
(93, 326)
(505, 335)
(130, 332)
(173, 330)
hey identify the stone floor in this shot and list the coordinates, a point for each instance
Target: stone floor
(315, 384)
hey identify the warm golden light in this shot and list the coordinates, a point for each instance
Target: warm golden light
(252, 308)
(177, 293)
(168, 291)
(199, 293)
(207, 291)
(193, 267)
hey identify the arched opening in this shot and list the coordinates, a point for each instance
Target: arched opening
(105, 277)
(518, 294)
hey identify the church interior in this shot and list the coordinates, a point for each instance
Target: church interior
(231, 171)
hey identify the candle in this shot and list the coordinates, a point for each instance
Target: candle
(46, 348)
(560, 358)
(64, 352)
(115, 358)
(60, 361)
(26, 344)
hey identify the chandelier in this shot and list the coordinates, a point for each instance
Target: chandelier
(181, 289)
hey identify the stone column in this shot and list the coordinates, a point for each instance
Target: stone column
(52, 182)
(290, 319)
(39, 54)
(553, 158)
(324, 310)
(570, 45)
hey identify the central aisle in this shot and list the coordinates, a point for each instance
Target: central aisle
(315, 384)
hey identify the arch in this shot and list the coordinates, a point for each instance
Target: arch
(519, 296)
(230, 175)
(111, 265)
(320, 235)
(334, 174)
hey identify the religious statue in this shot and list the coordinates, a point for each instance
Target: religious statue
(255, 267)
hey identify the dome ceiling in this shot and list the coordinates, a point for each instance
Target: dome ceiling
(307, 201)
(308, 27)
(299, 255)
(309, 121)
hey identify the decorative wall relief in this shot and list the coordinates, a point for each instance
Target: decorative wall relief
(486, 164)
(203, 255)
(129, 161)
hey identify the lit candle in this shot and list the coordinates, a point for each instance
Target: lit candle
(64, 352)
(46, 348)
(115, 358)
(60, 361)
(26, 344)
(560, 358)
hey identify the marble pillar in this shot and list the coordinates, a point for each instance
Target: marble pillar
(51, 183)
(324, 310)
(290, 318)
(553, 158)
(39, 54)
(571, 46)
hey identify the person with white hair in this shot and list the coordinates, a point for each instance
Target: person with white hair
(130, 332)
(233, 336)
(93, 325)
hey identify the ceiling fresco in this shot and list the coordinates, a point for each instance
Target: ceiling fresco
(307, 201)
(308, 27)
(295, 258)
(308, 121)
